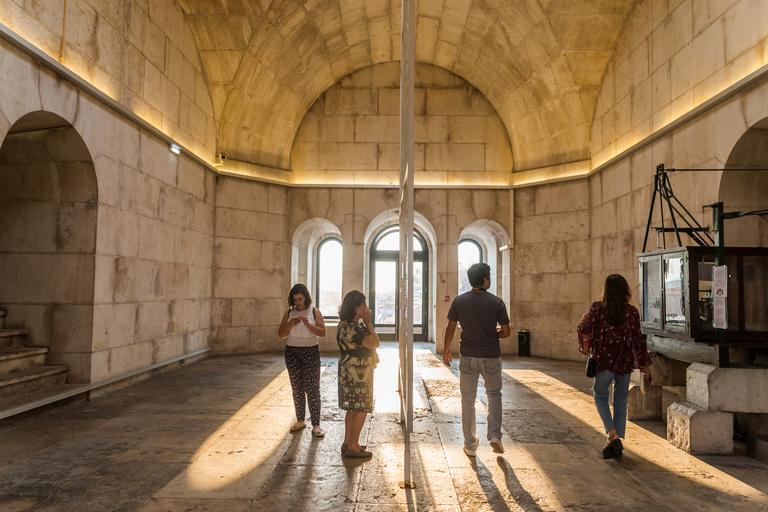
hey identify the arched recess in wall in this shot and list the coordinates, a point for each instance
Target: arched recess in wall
(746, 190)
(305, 240)
(492, 237)
(424, 227)
(48, 210)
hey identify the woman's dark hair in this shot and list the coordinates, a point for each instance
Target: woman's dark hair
(351, 302)
(478, 273)
(299, 289)
(616, 296)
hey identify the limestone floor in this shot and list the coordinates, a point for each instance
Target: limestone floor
(214, 436)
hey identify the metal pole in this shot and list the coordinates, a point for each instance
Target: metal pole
(405, 334)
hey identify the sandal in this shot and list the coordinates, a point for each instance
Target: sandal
(317, 431)
(298, 426)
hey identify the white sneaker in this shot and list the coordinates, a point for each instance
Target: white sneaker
(496, 445)
(470, 453)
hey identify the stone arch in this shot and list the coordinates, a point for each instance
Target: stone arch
(49, 210)
(492, 237)
(304, 244)
(746, 190)
(389, 218)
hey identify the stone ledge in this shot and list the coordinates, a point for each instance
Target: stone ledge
(727, 389)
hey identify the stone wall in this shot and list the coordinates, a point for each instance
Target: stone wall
(139, 52)
(445, 212)
(351, 134)
(48, 211)
(551, 268)
(671, 57)
(251, 265)
(151, 281)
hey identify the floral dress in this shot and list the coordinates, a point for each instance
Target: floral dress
(616, 348)
(356, 365)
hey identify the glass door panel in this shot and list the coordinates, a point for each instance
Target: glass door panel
(418, 298)
(385, 297)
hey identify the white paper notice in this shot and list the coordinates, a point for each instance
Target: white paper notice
(720, 303)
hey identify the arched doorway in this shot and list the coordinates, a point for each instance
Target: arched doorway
(48, 210)
(383, 294)
(742, 189)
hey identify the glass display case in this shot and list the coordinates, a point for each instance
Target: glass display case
(677, 294)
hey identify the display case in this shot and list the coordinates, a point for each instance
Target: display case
(677, 294)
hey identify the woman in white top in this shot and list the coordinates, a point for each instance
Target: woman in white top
(301, 325)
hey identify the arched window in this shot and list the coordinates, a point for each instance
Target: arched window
(470, 253)
(383, 297)
(328, 274)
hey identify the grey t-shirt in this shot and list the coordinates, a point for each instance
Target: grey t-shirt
(478, 313)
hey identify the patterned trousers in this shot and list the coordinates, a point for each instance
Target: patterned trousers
(303, 364)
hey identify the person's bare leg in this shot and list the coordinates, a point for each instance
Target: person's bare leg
(358, 420)
(348, 427)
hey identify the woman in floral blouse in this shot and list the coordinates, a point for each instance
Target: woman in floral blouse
(612, 327)
(357, 359)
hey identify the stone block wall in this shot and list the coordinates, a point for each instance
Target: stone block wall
(551, 270)
(251, 261)
(357, 213)
(671, 57)
(351, 133)
(149, 284)
(48, 212)
(139, 52)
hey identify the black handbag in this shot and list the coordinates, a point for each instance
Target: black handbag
(591, 367)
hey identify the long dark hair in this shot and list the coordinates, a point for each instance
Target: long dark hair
(299, 289)
(616, 296)
(352, 301)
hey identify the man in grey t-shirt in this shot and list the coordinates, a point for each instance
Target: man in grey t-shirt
(478, 312)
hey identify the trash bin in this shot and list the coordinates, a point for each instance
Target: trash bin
(523, 343)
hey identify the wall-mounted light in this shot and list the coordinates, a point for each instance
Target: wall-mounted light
(174, 149)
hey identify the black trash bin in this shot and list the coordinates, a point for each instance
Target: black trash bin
(523, 343)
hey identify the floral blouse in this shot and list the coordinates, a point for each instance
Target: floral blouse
(616, 348)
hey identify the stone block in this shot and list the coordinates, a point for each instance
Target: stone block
(347, 156)
(153, 321)
(196, 340)
(697, 431)
(727, 389)
(176, 206)
(72, 328)
(114, 325)
(28, 226)
(251, 225)
(168, 348)
(130, 357)
(185, 316)
(455, 157)
(156, 159)
(77, 227)
(644, 406)
(237, 253)
(241, 194)
(118, 232)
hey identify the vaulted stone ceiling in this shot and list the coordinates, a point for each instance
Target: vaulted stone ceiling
(539, 62)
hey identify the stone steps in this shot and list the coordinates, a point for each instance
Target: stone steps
(15, 359)
(32, 379)
(24, 376)
(12, 338)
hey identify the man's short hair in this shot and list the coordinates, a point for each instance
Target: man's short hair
(478, 273)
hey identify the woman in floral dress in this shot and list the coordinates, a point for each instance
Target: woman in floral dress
(618, 347)
(357, 358)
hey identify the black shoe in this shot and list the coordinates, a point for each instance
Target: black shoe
(612, 449)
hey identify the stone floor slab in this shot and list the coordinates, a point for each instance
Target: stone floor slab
(214, 436)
